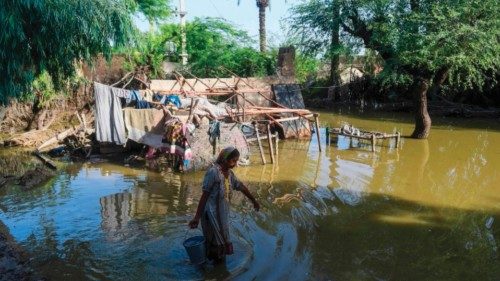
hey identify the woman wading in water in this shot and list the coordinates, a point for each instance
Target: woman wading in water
(213, 208)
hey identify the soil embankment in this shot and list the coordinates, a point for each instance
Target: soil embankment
(14, 262)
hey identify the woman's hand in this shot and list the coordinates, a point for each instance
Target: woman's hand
(194, 223)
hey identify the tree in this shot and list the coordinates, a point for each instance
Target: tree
(426, 43)
(153, 10)
(214, 43)
(52, 35)
(262, 5)
(316, 27)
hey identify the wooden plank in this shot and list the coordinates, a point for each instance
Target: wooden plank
(261, 150)
(46, 161)
(270, 141)
(374, 139)
(317, 130)
(294, 118)
(276, 147)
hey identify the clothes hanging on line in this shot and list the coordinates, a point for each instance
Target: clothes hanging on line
(166, 100)
(109, 124)
(145, 126)
(147, 95)
(139, 98)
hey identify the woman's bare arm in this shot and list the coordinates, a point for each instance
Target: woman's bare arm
(201, 207)
(249, 195)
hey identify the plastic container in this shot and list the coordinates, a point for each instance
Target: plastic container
(195, 248)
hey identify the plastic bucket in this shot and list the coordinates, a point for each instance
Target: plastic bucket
(195, 248)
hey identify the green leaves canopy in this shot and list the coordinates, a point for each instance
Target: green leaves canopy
(214, 43)
(416, 38)
(423, 38)
(52, 35)
(153, 10)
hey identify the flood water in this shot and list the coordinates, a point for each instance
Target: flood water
(429, 210)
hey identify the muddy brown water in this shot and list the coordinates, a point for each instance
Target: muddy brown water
(429, 210)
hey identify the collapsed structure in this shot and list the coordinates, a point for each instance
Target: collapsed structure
(190, 120)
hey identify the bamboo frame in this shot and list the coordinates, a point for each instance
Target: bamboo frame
(245, 109)
(370, 136)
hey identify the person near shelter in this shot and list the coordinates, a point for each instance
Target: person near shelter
(213, 208)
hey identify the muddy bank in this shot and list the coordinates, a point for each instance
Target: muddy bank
(18, 167)
(14, 261)
(21, 167)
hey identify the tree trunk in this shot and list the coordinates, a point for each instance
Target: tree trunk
(438, 80)
(335, 43)
(422, 118)
(262, 28)
(36, 109)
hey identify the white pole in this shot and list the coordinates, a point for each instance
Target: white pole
(182, 14)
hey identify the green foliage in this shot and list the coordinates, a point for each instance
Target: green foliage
(43, 89)
(52, 35)
(154, 10)
(311, 25)
(149, 51)
(418, 40)
(306, 68)
(214, 43)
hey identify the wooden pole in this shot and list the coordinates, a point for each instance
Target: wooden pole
(270, 141)
(261, 150)
(316, 121)
(374, 139)
(244, 105)
(276, 139)
(45, 160)
(191, 109)
(327, 136)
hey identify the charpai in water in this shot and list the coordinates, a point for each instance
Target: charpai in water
(345, 213)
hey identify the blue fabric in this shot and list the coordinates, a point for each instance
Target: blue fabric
(173, 99)
(142, 104)
(214, 131)
(159, 98)
(134, 96)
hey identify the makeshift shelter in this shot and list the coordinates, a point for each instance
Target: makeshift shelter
(184, 118)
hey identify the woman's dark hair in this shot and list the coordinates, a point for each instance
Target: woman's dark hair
(234, 154)
(223, 158)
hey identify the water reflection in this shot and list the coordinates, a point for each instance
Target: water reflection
(115, 211)
(426, 211)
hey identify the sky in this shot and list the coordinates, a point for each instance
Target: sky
(245, 15)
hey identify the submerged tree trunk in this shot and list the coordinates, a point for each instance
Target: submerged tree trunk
(262, 24)
(335, 43)
(422, 118)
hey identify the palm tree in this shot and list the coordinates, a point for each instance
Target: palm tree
(262, 5)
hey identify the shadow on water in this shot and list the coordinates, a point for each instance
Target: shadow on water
(302, 233)
(427, 211)
(315, 237)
